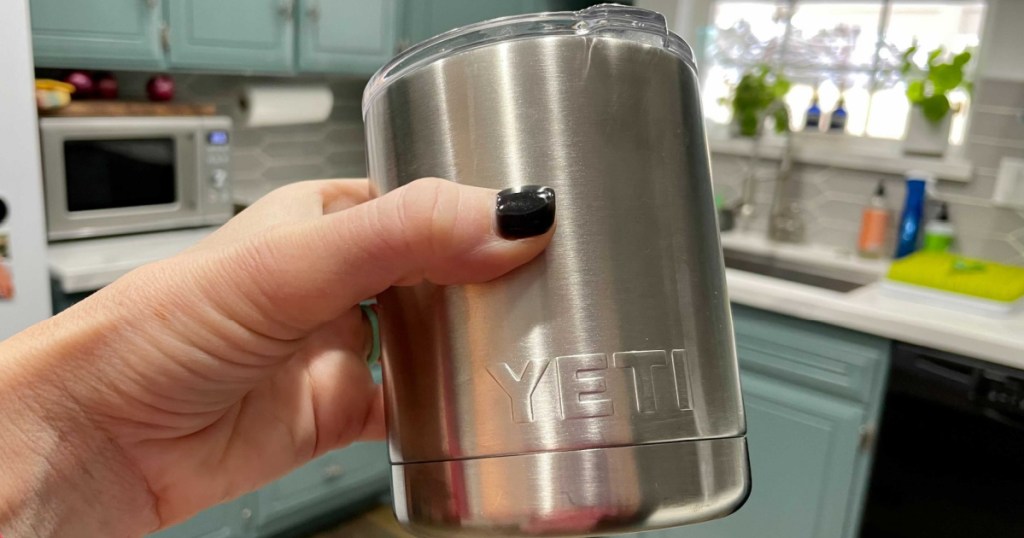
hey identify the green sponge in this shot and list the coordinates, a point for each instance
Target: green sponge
(957, 274)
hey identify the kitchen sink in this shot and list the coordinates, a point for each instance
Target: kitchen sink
(830, 278)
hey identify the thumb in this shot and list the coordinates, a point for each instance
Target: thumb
(303, 275)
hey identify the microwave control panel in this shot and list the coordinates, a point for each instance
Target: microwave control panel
(217, 148)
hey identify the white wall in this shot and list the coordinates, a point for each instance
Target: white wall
(21, 184)
(1003, 41)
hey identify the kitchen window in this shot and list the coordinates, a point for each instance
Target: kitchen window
(850, 48)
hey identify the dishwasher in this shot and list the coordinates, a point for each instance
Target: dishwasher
(950, 454)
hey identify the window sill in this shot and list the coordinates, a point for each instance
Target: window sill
(854, 153)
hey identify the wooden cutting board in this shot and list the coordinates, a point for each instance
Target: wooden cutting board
(131, 108)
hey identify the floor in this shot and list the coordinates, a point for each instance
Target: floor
(378, 522)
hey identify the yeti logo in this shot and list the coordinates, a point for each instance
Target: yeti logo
(656, 382)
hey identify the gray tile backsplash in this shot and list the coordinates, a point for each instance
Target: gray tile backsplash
(335, 148)
(832, 198)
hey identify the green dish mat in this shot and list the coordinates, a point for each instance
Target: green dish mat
(958, 274)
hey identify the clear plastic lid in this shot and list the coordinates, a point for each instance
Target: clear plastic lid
(604, 20)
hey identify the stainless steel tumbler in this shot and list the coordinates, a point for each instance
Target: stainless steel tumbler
(594, 390)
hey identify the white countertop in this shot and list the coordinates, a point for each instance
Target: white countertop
(90, 264)
(868, 309)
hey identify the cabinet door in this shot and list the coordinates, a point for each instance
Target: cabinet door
(107, 34)
(326, 483)
(427, 18)
(251, 36)
(347, 36)
(803, 446)
(229, 520)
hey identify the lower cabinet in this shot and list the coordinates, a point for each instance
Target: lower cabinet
(812, 394)
(326, 483)
(229, 520)
(803, 447)
(329, 483)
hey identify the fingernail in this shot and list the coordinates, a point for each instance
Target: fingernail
(525, 211)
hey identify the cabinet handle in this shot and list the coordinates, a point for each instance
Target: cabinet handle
(313, 11)
(333, 471)
(287, 9)
(868, 433)
(246, 513)
(165, 37)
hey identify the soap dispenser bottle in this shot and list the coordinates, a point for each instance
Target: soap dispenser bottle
(938, 234)
(874, 225)
(908, 233)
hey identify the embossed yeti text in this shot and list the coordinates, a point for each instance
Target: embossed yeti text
(585, 386)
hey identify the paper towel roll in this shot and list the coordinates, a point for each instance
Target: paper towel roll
(262, 106)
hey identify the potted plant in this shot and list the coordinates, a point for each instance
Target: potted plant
(759, 94)
(928, 89)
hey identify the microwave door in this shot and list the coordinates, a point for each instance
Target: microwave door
(120, 183)
(120, 174)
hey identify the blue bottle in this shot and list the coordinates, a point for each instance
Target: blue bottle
(837, 119)
(813, 114)
(913, 213)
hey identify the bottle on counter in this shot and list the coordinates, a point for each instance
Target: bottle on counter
(874, 225)
(907, 235)
(837, 119)
(938, 234)
(813, 119)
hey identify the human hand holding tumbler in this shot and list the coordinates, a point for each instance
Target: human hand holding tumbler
(196, 379)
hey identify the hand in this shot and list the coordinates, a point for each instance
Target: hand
(199, 378)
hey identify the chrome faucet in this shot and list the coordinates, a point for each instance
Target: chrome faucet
(785, 223)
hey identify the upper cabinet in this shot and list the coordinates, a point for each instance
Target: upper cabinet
(427, 18)
(349, 36)
(94, 34)
(232, 35)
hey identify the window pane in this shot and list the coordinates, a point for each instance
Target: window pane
(835, 35)
(954, 26)
(831, 48)
(889, 109)
(747, 33)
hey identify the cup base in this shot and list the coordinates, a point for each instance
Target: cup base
(574, 493)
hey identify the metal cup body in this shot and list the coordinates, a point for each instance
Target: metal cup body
(595, 389)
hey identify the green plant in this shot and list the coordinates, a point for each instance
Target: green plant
(928, 86)
(760, 92)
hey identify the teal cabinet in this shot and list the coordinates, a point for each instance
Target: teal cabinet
(229, 520)
(332, 480)
(347, 36)
(256, 36)
(427, 18)
(812, 394)
(91, 34)
(325, 485)
(803, 449)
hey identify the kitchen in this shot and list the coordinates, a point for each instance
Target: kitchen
(875, 406)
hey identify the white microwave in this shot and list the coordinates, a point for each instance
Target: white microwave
(117, 175)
